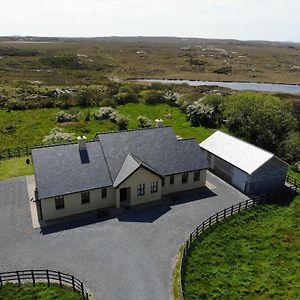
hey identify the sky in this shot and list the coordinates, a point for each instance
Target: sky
(273, 20)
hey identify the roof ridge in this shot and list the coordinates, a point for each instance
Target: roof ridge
(57, 145)
(132, 129)
(248, 143)
(99, 141)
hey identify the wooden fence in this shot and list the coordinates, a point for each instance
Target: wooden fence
(46, 276)
(15, 152)
(219, 216)
(294, 183)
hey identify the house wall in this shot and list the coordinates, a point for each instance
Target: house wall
(268, 177)
(74, 206)
(142, 176)
(178, 186)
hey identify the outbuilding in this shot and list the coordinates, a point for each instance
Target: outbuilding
(250, 169)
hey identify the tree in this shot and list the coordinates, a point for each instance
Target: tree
(292, 148)
(261, 119)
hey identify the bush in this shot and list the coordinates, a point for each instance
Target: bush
(201, 114)
(15, 104)
(103, 113)
(186, 99)
(63, 117)
(223, 70)
(108, 102)
(152, 97)
(296, 167)
(144, 122)
(292, 148)
(57, 135)
(171, 98)
(122, 122)
(127, 97)
(114, 116)
(87, 116)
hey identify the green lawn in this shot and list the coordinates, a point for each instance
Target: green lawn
(253, 255)
(31, 126)
(294, 174)
(40, 291)
(14, 167)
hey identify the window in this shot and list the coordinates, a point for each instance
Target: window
(172, 179)
(154, 186)
(85, 197)
(197, 175)
(163, 182)
(141, 189)
(103, 193)
(185, 177)
(59, 202)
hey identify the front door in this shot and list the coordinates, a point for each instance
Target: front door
(123, 195)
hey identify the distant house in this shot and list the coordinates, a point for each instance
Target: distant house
(117, 169)
(249, 168)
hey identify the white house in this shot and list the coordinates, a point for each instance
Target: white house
(250, 169)
(117, 169)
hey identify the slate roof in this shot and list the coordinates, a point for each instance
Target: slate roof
(244, 156)
(111, 158)
(156, 147)
(63, 169)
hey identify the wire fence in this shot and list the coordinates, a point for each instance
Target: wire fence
(45, 276)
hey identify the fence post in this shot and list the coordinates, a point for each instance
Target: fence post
(82, 290)
(1, 284)
(48, 279)
(247, 203)
(8, 153)
(33, 279)
(231, 213)
(59, 278)
(26, 150)
(224, 216)
(209, 221)
(73, 283)
(18, 276)
(18, 151)
(217, 217)
(197, 232)
(240, 204)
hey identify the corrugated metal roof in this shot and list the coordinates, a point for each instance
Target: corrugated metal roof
(244, 156)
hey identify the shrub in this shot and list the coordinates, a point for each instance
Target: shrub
(292, 147)
(87, 116)
(296, 167)
(114, 116)
(57, 135)
(103, 113)
(15, 104)
(144, 122)
(122, 122)
(108, 102)
(63, 117)
(127, 97)
(223, 70)
(171, 98)
(153, 97)
(201, 114)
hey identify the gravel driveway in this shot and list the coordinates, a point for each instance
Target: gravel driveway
(126, 258)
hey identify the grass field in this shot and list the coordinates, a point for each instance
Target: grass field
(40, 291)
(15, 167)
(31, 126)
(294, 174)
(253, 255)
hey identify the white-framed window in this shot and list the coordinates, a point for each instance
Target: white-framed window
(185, 177)
(59, 202)
(197, 175)
(141, 189)
(154, 187)
(85, 197)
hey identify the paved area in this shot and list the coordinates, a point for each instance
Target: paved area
(130, 257)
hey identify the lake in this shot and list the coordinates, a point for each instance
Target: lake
(240, 86)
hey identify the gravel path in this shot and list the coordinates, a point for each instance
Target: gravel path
(126, 258)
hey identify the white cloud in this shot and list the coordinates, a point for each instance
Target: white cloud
(254, 19)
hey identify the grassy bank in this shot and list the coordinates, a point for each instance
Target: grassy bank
(253, 255)
(31, 126)
(294, 174)
(40, 291)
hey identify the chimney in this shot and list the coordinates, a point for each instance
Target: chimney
(159, 123)
(81, 142)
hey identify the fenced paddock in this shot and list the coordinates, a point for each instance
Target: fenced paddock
(15, 152)
(221, 215)
(44, 276)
